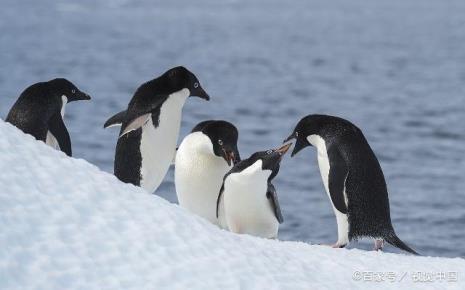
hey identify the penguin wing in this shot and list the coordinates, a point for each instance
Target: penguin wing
(115, 120)
(57, 127)
(338, 171)
(218, 200)
(236, 168)
(273, 197)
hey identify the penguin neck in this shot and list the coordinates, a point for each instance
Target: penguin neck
(199, 144)
(255, 172)
(319, 143)
(178, 99)
(64, 101)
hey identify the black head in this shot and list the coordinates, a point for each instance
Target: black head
(324, 126)
(179, 78)
(223, 135)
(270, 159)
(63, 87)
(307, 126)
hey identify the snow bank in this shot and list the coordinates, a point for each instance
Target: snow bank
(64, 224)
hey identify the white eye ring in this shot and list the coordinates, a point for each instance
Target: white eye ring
(269, 151)
(196, 85)
(73, 91)
(297, 134)
(220, 142)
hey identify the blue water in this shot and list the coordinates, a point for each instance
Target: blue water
(396, 68)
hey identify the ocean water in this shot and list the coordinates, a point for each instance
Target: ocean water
(396, 68)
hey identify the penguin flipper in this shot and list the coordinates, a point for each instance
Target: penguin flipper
(115, 120)
(218, 201)
(273, 197)
(338, 172)
(57, 127)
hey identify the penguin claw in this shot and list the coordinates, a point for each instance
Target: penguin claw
(379, 244)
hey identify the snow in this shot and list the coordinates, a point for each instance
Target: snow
(65, 224)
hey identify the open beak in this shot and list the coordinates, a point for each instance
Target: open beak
(229, 157)
(283, 149)
(292, 136)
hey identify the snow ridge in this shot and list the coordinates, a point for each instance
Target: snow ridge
(64, 224)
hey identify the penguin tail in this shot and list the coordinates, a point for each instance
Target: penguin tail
(394, 240)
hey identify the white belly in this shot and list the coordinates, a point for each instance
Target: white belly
(198, 178)
(52, 141)
(246, 207)
(323, 164)
(158, 145)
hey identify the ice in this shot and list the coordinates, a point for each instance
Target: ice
(65, 224)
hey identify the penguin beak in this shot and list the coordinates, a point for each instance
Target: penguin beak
(283, 149)
(292, 136)
(299, 145)
(229, 156)
(200, 93)
(79, 96)
(83, 96)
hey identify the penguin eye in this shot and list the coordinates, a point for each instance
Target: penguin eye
(196, 85)
(297, 134)
(269, 151)
(220, 142)
(73, 91)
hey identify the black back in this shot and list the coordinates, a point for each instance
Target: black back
(128, 158)
(34, 108)
(151, 95)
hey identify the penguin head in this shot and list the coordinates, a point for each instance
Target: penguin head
(223, 137)
(62, 87)
(307, 126)
(179, 78)
(270, 159)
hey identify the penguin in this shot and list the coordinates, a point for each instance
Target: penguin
(150, 127)
(352, 178)
(202, 159)
(40, 108)
(247, 197)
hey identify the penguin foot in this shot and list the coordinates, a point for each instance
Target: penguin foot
(379, 244)
(338, 246)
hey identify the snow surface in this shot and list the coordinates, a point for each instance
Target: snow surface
(64, 224)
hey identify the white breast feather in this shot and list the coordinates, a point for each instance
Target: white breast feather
(50, 140)
(158, 145)
(198, 177)
(247, 209)
(323, 164)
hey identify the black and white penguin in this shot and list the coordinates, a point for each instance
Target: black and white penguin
(40, 108)
(203, 158)
(150, 127)
(352, 178)
(248, 200)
